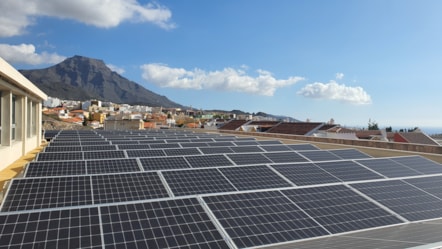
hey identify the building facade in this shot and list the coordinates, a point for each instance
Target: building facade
(20, 115)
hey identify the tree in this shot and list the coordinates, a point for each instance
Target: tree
(372, 125)
(388, 129)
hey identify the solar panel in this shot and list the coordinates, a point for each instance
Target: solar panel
(432, 185)
(297, 147)
(104, 154)
(262, 218)
(208, 161)
(244, 149)
(182, 152)
(70, 228)
(94, 142)
(145, 153)
(98, 147)
(51, 168)
(275, 147)
(165, 146)
(62, 148)
(388, 167)
(193, 145)
(178, 223)
(38, 193)
(127, 187)
(198, 181)
(339, 209)
(243, 159)
(263, 142)
(133, 147)
(216, 150)
(285, 157)
(420, 164)
(254, 177)
(59, 156)
(125, 142)
(348, 171)
(245, 143)
(349, 154)
(112, 166)
(305, 174)
(219, 144)
(159, 163)
(319, 155)
(406, 200)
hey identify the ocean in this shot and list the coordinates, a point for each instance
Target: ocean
(431, 130)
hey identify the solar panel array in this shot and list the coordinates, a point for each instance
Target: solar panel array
(180, 189)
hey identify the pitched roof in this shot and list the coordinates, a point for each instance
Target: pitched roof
(414, 137)
(297, 128)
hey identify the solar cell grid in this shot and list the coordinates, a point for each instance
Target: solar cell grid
(388, 167)
(297, 147)
(275, 147)
(208, 161)
(305, 174)
(71, 228)
(406, 200)
(98, 147)
(254, 177)
(104, 154)
(319, 155)
(52, 192)
(244, 143)
(349, 154)
(127, 187)
(219, 144)
(145, 153)
(164, 145)
(60, 156)
(339, 209)
(432, 185)
(348, 171)
(182, 152)
(197, 181)
(133, 147)
(285, 157)
(420, 164)
(112, 166)
(161, 163)
(62, 148)
(193, 145)
(216, 150)
(51, 168)
(262, 218)
(178, 223)
(252, 158)
(94, 143)
(243, 149)
(267, 142)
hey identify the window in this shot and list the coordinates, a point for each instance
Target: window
(1, 99)
(13, 121)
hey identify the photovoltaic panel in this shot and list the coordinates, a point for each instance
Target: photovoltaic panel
(319, 155)
(104, 154)
(406, 200)
(127, 187)
(70, 228)
(388, 167)
(339, 209)
(165, 146)
(267, 142)
(432, 185)
(51, 168)
(216, 150)
(133, 147)
(262, 218)
(193, 145)
(349, 154)
(125, 142)
(160, 163)
(252, 158)
(297, 147)
(184, 151)
(208, 161)
(244, 149)
(98, 147)
(281, 147)
(197, 181)
(64, 143)
(145, 153)
(305, 174)
(94, 143)
(112, 166)
(285, 157)
(420, 164)
(254, 177)
(348, 171)
(219, 144)
(60, 156)
(52, 192)
(62, 148)
(178, 223)
(245, 143)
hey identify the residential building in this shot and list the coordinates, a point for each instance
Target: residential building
(20, 115)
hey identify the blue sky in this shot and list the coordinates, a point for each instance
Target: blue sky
(347, 60)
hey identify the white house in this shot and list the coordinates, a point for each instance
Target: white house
(20, 115)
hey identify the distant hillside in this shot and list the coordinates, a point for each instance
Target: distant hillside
(82, 78)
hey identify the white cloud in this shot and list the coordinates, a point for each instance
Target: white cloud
(335, 91)
(339, 76)
(116, 69)
(228, 79)
(100, 13)
(25, 54)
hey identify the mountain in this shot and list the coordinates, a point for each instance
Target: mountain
(82, 78)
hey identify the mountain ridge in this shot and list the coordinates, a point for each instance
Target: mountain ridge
(83, 78)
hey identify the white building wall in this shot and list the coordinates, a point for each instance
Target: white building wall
(20, 115)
